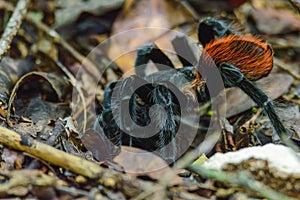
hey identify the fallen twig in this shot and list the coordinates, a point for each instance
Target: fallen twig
(25, 178)
(108, 178)
(286, 68)
(13, 26)
(50, 154)
(90, 67)
(241, 179)
(296, 4)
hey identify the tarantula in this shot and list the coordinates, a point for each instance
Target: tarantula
(239, 59)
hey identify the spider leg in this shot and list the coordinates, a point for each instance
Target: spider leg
(167, 117)
(232, 76)
(210, 28)
(135, 93)
(108, 90)
(163, 111)
(183, 50)
(106, 120)
(152, 102)
(131, 103)
(117, 95)
(149, 51)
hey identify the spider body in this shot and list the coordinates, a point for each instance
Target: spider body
(252, 56)
(163, 88)
(239, 59)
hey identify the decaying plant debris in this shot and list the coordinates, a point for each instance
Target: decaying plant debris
(48, 94)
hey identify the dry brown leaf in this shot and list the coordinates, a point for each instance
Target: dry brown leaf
(161, 14)
(10, 71)
(139, 162)
(274, 22)
(101, 147)
(12, 157)
(215, 6)
(70, 10)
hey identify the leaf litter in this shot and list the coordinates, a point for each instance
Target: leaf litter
(35, 96)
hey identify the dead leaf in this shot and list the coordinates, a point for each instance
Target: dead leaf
(101, 147)
(70, 126)
(57, 82)
(44, 192)
(11, 157)
(290, 116)
(139, 162)
(273, 21)
(10, 72)
(215, 6)
(161, 15)
(70, 9)
(40, 112)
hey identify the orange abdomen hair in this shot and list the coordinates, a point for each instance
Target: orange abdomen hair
(250, 54)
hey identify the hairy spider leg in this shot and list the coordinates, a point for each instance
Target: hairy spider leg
(108, 90)
(149, 51)
(210, 28)
(251, 59)
(135, 93)
(106, 119)
(168, 118)
(183, 50)
(140, 101)
(234, 77)
(115, 113)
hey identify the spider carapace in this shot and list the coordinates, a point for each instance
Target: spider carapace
(240, 59)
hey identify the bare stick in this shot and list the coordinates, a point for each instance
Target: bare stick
(26, 177)
(91, 68)
(13, 26)
(106, 177)
(286, 67)
(241, 179)
(296, 4)
(50, 154)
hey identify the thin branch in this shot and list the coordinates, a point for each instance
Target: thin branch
(54, 36)
(75, 84)
(296, 4)
(50, 154)
(26, 177)
(91, 68)
(186, 160)
(286, 67)
(13, 26)
(106, 177)
(241, 179)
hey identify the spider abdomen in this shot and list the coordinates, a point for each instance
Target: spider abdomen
(250, 54)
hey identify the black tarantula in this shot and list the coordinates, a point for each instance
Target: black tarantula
(239, 60)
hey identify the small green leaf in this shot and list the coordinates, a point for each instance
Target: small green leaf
(200, 160)
(210, 112)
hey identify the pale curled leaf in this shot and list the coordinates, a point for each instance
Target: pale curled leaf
(10, 71)
(57, 83)
(70, 10)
